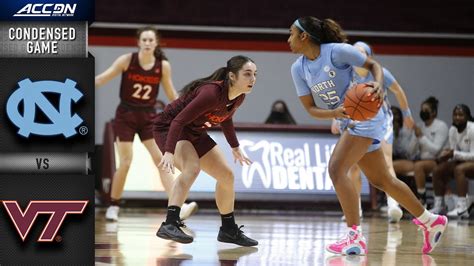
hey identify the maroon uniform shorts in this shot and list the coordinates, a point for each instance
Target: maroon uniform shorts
(202, 142)
(129, 121)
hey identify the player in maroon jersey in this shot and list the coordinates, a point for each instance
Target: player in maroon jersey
(142, 72)
(180, 131)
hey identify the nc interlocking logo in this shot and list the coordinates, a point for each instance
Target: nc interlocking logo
(31, 93)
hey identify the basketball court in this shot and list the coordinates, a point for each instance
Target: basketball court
(285, 238)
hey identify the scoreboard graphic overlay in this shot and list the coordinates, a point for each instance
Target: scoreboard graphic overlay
(46, 133)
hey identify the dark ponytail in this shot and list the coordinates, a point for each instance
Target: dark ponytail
(233, 65)
(322, 31)
(219, 74)
(159, 54)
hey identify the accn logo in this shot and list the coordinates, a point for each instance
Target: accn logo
(24, 220)
(47, 10)
(31, 94)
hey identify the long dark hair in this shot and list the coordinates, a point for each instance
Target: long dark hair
(233, 65)
(433, 103)
(465, 109)
(158, 52)
(323, 31)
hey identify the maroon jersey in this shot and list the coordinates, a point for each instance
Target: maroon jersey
(196, 110)
(139, 87)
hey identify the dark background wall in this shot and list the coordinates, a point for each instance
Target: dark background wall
(454, 16)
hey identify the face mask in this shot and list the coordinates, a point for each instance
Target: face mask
(424, 115)
(278, 115)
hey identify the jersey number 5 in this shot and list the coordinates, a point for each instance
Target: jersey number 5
(330, 98)
(141, 92)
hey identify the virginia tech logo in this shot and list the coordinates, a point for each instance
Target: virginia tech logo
(24, 220)
(31, 94)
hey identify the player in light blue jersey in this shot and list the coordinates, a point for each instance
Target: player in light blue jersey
(323, 74)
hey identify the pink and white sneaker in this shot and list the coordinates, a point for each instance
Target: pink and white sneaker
(432, 232)
(351, 244)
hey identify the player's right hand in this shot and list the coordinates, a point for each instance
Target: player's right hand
(376, 91)
(167, 163)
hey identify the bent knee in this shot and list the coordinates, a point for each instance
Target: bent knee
(227, 176)
(191, 171)
(336, 171)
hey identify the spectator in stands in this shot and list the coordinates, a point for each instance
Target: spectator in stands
(457, 161)
(432, 135)
(405, 143)
(280, 114)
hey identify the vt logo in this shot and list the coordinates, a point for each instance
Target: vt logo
(31, 93)
(23, 220)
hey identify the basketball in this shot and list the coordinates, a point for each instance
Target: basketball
(359, 105)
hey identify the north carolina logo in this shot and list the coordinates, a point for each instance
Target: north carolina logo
(31, 93)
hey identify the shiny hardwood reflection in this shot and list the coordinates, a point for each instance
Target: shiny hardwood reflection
(285, 238)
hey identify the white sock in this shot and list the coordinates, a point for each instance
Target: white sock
(421, 190)
(426, 217)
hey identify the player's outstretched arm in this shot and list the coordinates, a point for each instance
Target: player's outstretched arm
(117, 67)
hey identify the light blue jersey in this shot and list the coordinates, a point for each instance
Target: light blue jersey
(388, 80)
(328, 77)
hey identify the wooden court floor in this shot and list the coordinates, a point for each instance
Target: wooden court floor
(285, 238)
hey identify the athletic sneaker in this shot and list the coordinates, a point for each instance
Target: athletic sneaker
(235, 236)
(450, 201)
(432, 232)
(394, 214)
(463, 208)
(187, 210)
(173, 232)
(112, 213)
(353, 243)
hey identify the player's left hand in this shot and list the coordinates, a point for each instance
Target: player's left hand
(167, 163)
(239, 156)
